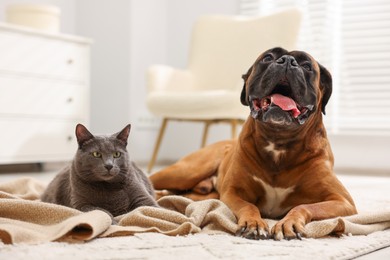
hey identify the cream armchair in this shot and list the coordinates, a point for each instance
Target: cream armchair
(222, 49)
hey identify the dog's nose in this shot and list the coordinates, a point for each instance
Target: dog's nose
(287, 59)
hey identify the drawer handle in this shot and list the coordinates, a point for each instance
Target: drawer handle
(69, 100)
(70, 138)
(70, 61)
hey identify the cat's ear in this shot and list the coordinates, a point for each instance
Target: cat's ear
(82, 134)
(124, 134)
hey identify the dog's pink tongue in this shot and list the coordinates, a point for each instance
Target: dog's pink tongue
(286, 104)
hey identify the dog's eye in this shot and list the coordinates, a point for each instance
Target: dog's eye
(268, 58)
(307, 66)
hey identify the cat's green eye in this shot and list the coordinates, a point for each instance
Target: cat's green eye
(117, 154)
(96, 154)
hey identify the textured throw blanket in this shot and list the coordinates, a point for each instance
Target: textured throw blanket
(25, 219)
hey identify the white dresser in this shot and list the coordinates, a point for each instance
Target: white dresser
(44, 93)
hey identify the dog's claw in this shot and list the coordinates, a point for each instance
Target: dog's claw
(240, 232)
(263, 234)
(297, 236)
(255, 234)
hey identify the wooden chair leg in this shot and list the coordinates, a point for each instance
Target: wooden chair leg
(157, 145)
(234, 124)
(205, 133)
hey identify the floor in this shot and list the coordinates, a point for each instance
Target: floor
(377, 186)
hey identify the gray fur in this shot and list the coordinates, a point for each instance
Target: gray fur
(88, 184)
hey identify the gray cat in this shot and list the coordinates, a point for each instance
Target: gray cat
(101, 176)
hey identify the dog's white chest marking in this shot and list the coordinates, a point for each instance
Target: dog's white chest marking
(274, 196)
(276, 153)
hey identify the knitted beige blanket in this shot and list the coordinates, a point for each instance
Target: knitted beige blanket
(25, 219)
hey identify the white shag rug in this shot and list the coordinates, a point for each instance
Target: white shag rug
(200, 246)
(369, 194)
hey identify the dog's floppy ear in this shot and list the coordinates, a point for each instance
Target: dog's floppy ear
(326, 86)
(244, 101)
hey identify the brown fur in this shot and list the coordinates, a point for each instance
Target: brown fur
(246, 168)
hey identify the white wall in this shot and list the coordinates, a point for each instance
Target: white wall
(160, 33)
(108, 25)
(368, 154)
(129, 36)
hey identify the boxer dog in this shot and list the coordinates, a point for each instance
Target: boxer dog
(281, 166)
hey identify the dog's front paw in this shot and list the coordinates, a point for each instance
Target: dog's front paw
(288, 228)
(252, 228)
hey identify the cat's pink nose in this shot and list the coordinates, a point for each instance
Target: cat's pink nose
(108, 166)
